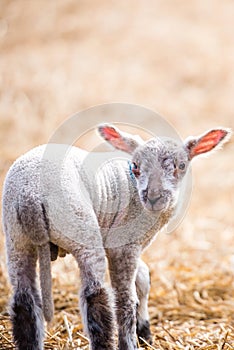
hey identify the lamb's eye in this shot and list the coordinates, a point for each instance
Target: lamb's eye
(182, 166)
(166, 162)
(135, 169)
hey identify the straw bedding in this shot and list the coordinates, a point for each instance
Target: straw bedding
(58, 57)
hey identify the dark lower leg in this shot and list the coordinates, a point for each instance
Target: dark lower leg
(96, 308)
(26, 313)
(27, 321)
(126, 317)
(98, 316)
(122, 267)
(142, 288)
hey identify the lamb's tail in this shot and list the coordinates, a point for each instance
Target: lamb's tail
(46, 281)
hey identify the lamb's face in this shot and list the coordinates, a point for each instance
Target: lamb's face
(159, 167)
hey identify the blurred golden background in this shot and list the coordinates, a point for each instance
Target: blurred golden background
(173, 56)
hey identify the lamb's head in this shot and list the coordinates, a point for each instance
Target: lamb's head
(160, 164)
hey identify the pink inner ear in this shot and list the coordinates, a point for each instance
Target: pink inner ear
(113, 136)
(208, 142)
(110, 133)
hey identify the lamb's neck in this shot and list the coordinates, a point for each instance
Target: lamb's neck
(114, 193)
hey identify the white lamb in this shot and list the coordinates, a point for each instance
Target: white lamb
(53, 201)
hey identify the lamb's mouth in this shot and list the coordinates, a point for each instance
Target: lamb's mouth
(155, 203)
(155, 207)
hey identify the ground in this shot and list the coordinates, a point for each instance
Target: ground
(175, 57)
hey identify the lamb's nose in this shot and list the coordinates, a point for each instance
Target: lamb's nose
(154, 200)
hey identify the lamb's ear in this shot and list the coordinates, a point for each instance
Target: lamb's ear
(120, 140)
(207, 142)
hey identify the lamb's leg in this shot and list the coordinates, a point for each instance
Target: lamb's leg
(95, 303)
(123, 267)
(26, 309)
(142, 288)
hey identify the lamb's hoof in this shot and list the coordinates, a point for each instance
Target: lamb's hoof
(143, 332)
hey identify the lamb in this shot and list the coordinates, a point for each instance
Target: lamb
(115, 213)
